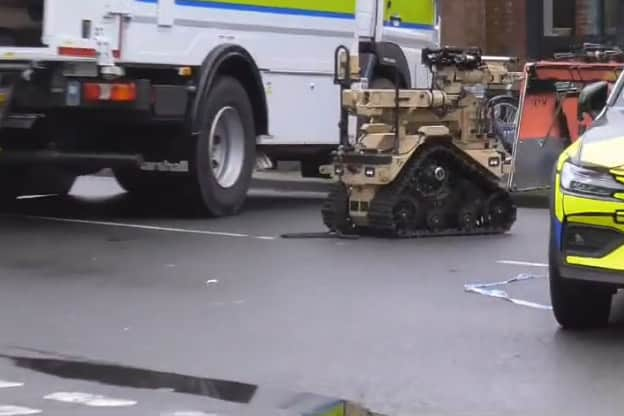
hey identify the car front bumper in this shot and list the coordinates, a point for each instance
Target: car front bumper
(588, 237)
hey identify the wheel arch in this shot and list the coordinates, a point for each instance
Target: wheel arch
(237, 62)
(384, 59)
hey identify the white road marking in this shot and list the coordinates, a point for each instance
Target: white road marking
(88, 399)
(6, 384)
(9, 410)
(522, 263)
(147, 227)
(211, 281)
(34, 196)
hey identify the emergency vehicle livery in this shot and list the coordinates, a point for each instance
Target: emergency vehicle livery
(188, 96)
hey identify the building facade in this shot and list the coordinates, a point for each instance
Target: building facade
(531, 29)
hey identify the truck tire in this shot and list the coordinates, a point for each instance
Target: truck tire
(225, 149)
(577, 305)
(381, 83)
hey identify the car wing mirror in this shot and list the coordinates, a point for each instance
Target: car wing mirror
(593, 99)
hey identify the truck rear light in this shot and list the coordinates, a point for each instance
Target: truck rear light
(118, 92)
(83, 52)
(77, 52)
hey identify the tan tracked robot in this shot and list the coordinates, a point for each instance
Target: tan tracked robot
(425, 161)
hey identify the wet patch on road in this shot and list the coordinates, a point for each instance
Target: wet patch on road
(122, 376)
(256, 400)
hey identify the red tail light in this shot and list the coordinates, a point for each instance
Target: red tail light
(117, 92)
(78, 52)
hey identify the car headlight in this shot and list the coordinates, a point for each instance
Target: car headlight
(580, 180)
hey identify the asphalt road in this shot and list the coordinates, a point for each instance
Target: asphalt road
(104, 295)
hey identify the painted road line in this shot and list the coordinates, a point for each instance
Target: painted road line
(522, 263)
(8, 384)
(9, 410)
(147, 227)
(88, 399)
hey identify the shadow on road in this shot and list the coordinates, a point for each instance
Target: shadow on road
(118, 204)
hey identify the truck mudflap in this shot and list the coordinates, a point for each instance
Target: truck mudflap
(547, 121)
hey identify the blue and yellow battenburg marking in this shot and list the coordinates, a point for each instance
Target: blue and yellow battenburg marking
(419, 14)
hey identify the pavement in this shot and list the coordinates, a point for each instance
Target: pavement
(113, 306)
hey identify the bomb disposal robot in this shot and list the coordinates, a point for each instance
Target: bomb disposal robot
(425, 161)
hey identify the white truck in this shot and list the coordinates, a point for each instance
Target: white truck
(185, 96)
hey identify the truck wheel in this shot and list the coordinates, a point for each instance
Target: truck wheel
(381, 83)
(577, 305)
(225, 149)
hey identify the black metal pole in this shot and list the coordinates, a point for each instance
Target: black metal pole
(343, 123)
(396, 112)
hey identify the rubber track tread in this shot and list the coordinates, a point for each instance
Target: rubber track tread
(334, 210)
(380, 214)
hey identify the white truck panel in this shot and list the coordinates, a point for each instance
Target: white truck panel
(295, 52)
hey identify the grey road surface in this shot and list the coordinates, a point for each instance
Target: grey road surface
(104, 295)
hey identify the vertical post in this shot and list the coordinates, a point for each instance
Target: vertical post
(397, 142)
(342, 78)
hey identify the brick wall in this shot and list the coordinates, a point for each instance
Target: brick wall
(497, 26)
(585, 18)
(462, 22)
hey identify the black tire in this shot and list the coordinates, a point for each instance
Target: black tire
(577, 305)
(216, 199)
(381, 83)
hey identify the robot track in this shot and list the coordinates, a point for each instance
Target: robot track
(441, 192)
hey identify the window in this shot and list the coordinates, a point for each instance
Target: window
(558, 17)
(581, 17)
